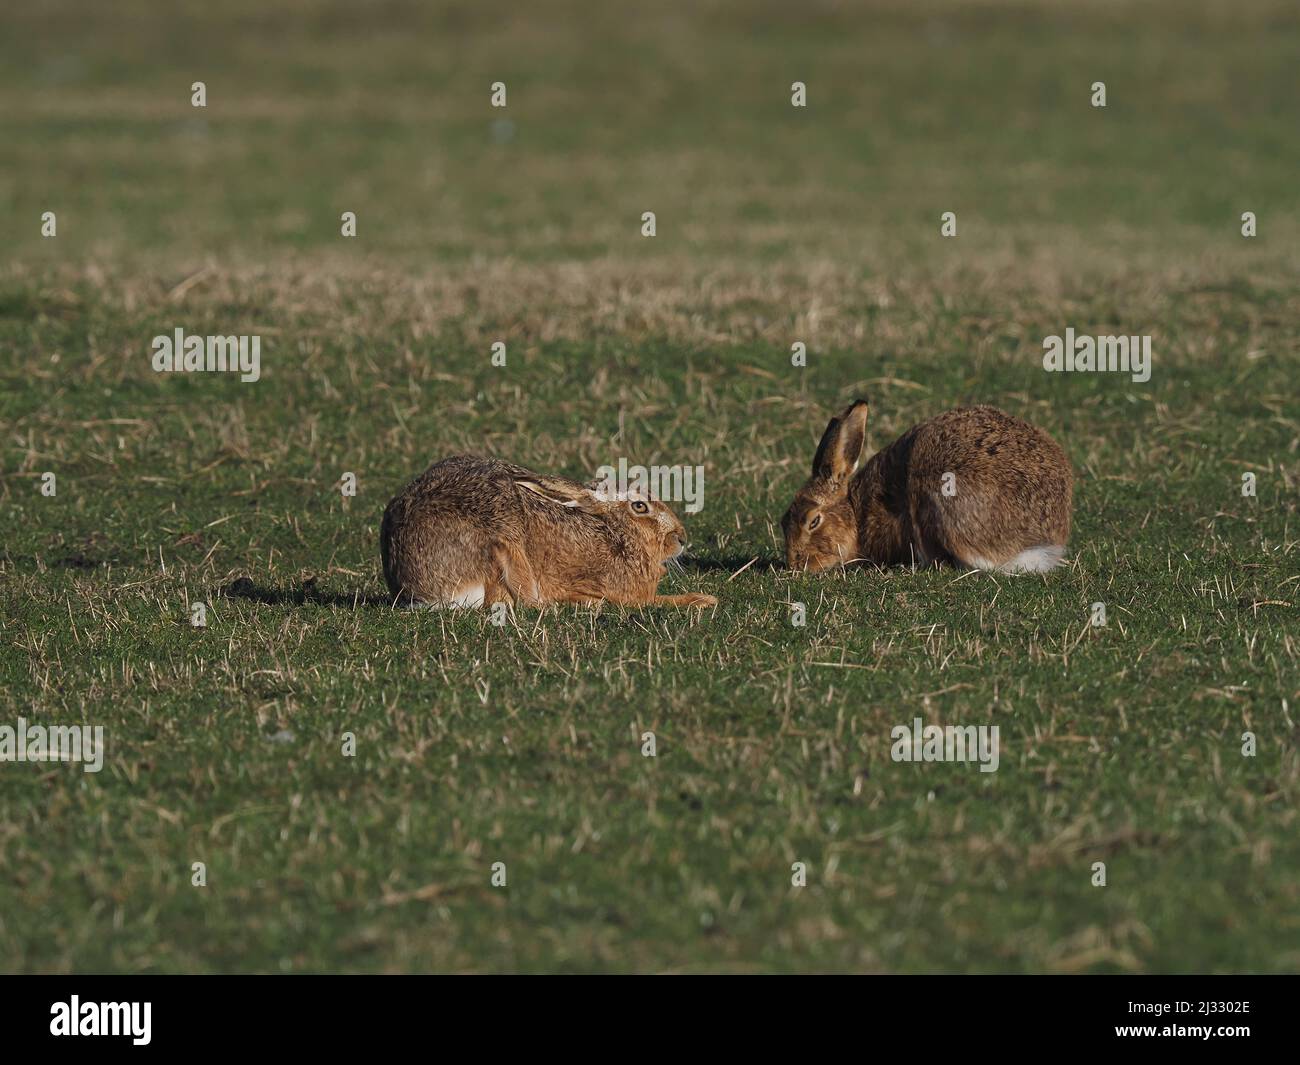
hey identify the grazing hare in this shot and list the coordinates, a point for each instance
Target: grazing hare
(471, 531)
(971, 487)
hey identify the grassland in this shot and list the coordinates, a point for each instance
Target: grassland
(478, 744)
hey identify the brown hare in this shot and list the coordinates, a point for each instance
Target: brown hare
(970, 487)
(471, 531)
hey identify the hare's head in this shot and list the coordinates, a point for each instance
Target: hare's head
(635, 514)
(821, 529)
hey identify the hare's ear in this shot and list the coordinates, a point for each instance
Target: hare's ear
(557, 490)
(841, 446)
(604, 487)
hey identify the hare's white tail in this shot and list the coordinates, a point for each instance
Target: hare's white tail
(1041, 559)
(466, 597)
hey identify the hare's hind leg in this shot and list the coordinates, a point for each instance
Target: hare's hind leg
(974, 532)
(517, 580)
(520, 583)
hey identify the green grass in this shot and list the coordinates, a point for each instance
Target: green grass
(478, 744)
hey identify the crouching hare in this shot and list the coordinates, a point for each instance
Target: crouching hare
(472, 531)
(971, 487)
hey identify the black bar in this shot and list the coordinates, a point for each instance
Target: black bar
(337, 1014)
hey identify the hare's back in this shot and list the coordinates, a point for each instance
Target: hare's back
(464, 495)
(987, 446)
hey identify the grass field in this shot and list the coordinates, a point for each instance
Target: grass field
(478, 744)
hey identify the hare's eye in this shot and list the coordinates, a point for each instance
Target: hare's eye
(638, 507)
(816, 520)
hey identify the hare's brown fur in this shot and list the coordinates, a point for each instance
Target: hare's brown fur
(1007, 504)
(471, 531)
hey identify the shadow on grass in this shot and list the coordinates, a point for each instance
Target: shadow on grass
(733, 564)
(305, 593)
